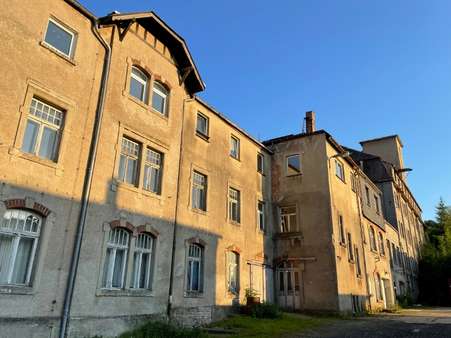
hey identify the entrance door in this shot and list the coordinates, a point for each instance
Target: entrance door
(288, 286)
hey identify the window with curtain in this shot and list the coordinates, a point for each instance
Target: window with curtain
(116, 259)
(233, 271)
(43, 130)
(153, 168)
(142, 262)
(234, 205)
(194, 267)
(199, 192)
(19, 235)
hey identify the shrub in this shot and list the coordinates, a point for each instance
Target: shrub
(265, 310)
(163, 330)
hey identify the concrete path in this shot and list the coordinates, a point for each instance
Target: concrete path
(416, 323)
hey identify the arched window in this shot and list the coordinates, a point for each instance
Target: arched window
(194, 270)
(139, 84)
(372, 236)
(116, 259)
(233, 272)
(19, 235)
(142, 262)
(160, 98)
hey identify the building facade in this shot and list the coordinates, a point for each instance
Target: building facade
(126, 198)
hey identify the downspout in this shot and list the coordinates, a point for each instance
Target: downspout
(87, 182)
(174, 233)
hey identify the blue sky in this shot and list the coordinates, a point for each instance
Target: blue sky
(367, 68)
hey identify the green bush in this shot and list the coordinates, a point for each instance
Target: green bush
(265, 310)
(405, 300)
(163, 330)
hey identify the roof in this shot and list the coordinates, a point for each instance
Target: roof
(232, 124)
(171, 39)
(83, 10)
(383, 138)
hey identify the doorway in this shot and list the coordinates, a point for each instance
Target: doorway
(288, 286)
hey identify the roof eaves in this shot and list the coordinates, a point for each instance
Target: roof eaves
(83, 10)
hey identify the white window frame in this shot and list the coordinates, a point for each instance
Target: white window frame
(287, 168)
(107, 284)
(207, 125)
(165, 96)
(233, 264)
(287, 216)
(42, 125)
(17, 235)
(199, 187)
(150, 163)
(261, 217)
(145, 83)
(128, 156)
(138, 253)
(67, 30)
(234, 153)
(234, 201)
(339, 170)
(189, 276)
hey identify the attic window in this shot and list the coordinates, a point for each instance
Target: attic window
(60, 38)
(160, 98)
(138, 84)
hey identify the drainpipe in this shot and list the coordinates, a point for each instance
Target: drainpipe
(174, 233)
(88, 178)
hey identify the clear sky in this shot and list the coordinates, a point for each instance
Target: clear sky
(367, 68)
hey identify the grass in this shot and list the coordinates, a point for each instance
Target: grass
(155, 329)
(247, 326)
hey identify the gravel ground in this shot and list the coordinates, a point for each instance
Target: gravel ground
(415, 323)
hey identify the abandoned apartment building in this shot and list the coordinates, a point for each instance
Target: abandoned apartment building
(126, 197)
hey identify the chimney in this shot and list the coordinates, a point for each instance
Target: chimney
(310, 122)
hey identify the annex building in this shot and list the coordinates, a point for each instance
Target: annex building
(124, 197)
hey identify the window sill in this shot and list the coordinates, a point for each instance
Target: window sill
(16, 290)
(294, 234)
(34, 158)
(235, 223)
(163, 116)
(193, 294)
(294, 175)
(124, 293)
(261, 173)
(58, 53)
(204, 137)
(145, 106)
(235, 158)
(200, 211)
(342, 244)
(341, 179)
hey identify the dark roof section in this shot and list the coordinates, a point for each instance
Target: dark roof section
(358, 155)
(383, 138)
(232, 124)
(169, 37)
(290, 137)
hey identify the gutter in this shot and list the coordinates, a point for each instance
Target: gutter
(89, 174)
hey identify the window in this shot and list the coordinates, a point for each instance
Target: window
(160, 98)
(142, 262)
(43, 130)
(234, 205)
(116, 259)
(199, 191)
(288, 219)
(261, 215)
(293, 165)
(153, 167)
(372, 237)
(60, 38)
(381, 244)
(261, 163)
(367, 194)
(350, 248)
(235, 147)
(341, 230)
(194, 268)
(339, 170)
(233, 271)
(390, 253)
(129, 160)
(376, 203)
(355, 182)
(357, 262)
(378, 286)
(19, 235)
(202, 125)
(138, 84)
(394, 253)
